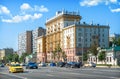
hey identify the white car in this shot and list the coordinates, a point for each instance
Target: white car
(90, 64)
(42, 64)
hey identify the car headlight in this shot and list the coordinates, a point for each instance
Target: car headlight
(14, 69)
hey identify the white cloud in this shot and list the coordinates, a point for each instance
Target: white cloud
(90, 2)
(25, 6)
(26, 17)
(4, 10)
(41, 8)
(36, 16)
(26, 13)
(96, 2)
(113, 1)
(18, 18)
(115, 10)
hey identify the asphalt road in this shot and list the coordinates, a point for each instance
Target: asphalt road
(62, 73)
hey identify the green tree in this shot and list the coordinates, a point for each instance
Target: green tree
(63, 55)
(94, 50)
(85, 56)
(102, 56)
(59, 53)
(54, 54)
(118, 43)
(58, 50)
(9, 57)
(114, 41)
(22, 58)
(15, 57)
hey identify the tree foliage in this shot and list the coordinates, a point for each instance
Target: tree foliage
(15, 57)
(115, 42)
(22, 58)
(102, 56)
(11, 57)
(85, 56)
(118, 42)
(93, 50)
(59, 53)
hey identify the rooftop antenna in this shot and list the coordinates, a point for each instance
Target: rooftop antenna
(78, 12)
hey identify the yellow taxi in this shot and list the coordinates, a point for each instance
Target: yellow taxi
(15, 68)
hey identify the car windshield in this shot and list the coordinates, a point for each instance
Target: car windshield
(32, 63)
(15, 65)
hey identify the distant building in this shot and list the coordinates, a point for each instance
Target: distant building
(5, 52)
(35, 34)
(114, 36)
(27, 42)
(65, 29)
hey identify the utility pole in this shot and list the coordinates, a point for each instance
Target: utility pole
(82, 47)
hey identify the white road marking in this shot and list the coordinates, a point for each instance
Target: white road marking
(14, 75)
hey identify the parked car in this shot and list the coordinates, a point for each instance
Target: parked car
(90, 64)
(42, 64)
(61, 64)
(32, 65)
(23, 64)
(52, 64)
(15, 68)
(73, 65)
(2, 65)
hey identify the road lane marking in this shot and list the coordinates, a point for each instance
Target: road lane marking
(14, 75)
(91, 75)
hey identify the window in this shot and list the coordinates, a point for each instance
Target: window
(103, 35)
(79, 34)
(102, 40)
(110, 59)
(79, 29)
(79, 45)
(79, 39)
(107, 59)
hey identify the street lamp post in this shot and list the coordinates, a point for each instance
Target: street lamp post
(82, 48)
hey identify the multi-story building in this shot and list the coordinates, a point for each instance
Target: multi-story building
(65, 29)
(25, 43)
(36, 33)
(5, 52)
(114, 36)
(41, 49)
(112, 56)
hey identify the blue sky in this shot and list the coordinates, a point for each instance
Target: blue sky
(17, 16)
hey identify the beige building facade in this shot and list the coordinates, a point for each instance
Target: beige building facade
(5, 52)
(41, 49)
(65, 29)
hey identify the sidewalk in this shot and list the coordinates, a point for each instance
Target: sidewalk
(108, 67)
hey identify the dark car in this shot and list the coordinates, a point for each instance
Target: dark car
(69, 64)
(73, 65)
(32, 65)
(2, 65)
(52, 64)
(61, 64)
